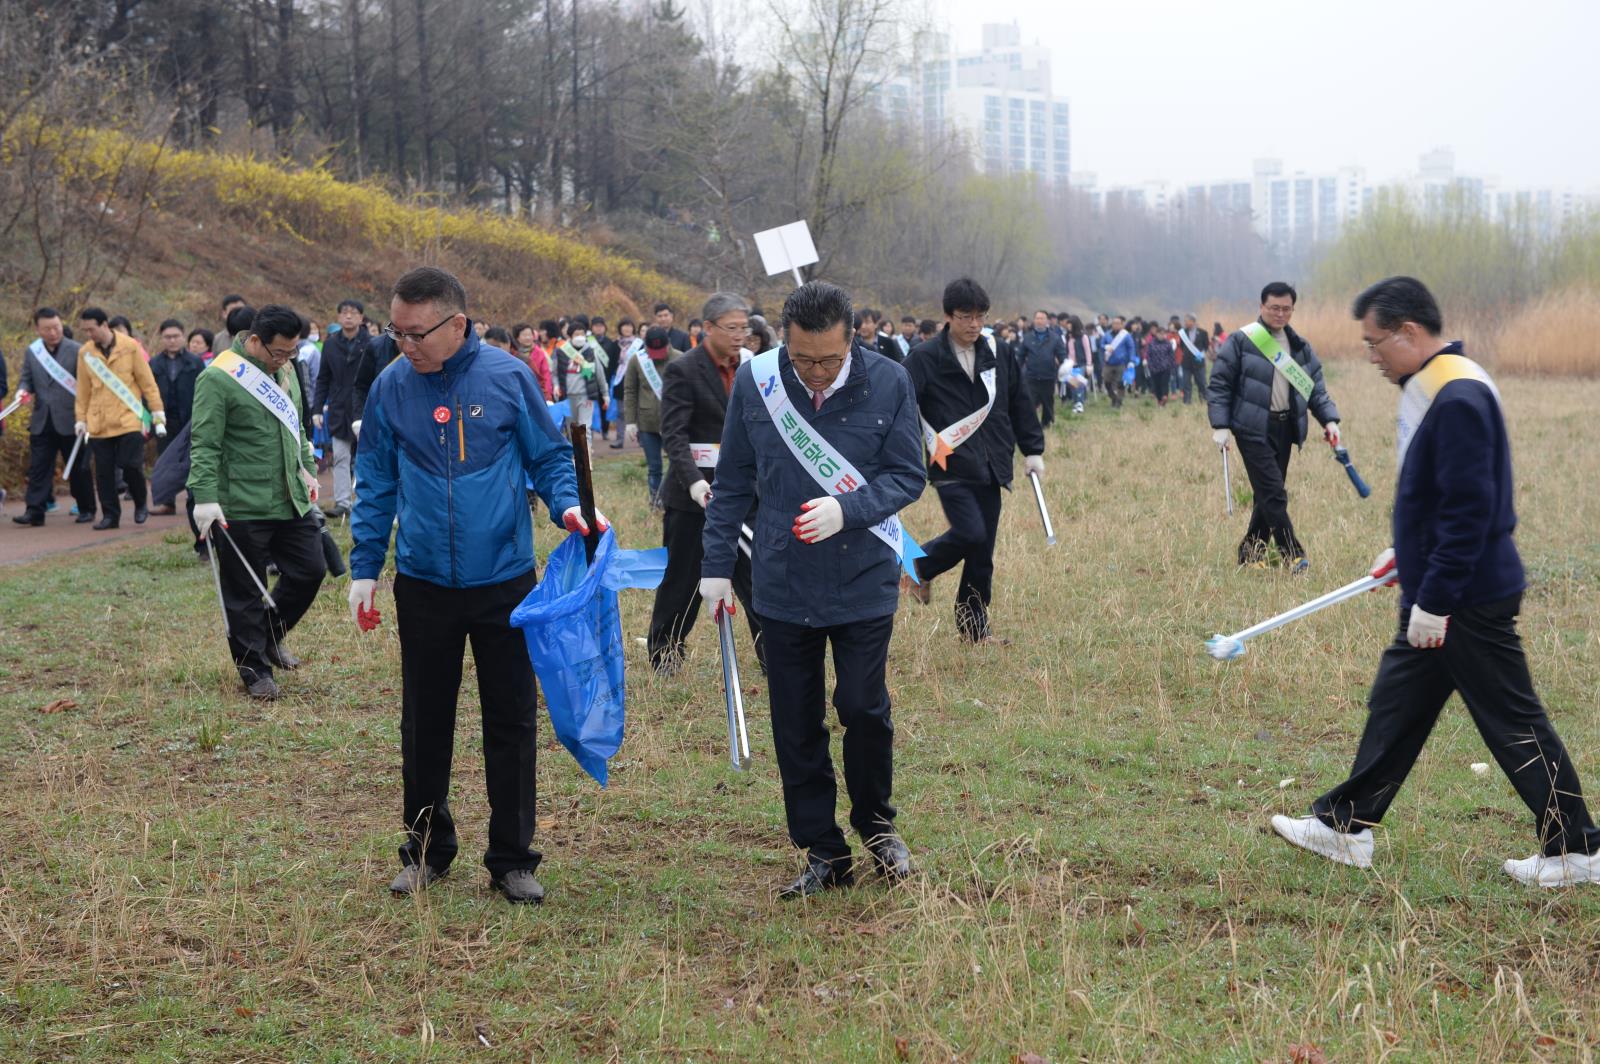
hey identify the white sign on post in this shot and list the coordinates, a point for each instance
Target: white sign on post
(787, 247)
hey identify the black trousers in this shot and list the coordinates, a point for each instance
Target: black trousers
(295, 545)
(974, 514)
(118, 454)
(43, 450)
(796, 664)
(1043, 393)
(1481, 658)
(1194, 375)
(678, 602)
(1267, 463)
(436, 624)
(1161, 384)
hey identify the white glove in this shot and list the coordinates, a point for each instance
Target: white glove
(1426, 632)
(362, 593)
(161, 429)
(22, 395)
(1222, 438)
(1383, 565)
(206, 514)
(316, 420)
(1330, 432)
(81, 428)
(311, 484)
(572, 520)
(631, 433)
(700, 492)
(355, 428)
(159, 417)
(718, 591)
(1033, 464)
(819, 519)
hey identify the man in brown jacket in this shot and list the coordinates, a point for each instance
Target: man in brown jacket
(112, 379)
(641, 401)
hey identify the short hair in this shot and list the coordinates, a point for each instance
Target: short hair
(1046, 313)
(1190, 317)
(965, 294)
(695, 321)
(1394, 301)
(497, 334)
(170, 323)
(429, 284)
(1280, 288)
(927, 326)
(353, 304)
(305, 327)
(94, 314)
(721, 303)
(662, 306)
(596, 320)
(907, 319)
(45, 312)
(579, 321)
(230, 299)
(516, 330)
(275, 320)
(122, 320)
(550, 327)
(816, 307)
(240, 319)
(626, 321)
(205, 334)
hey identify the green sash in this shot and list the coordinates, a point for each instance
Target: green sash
(1280, 359)
(119, 388)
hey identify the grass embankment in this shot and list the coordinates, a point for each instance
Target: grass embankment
(190, 876)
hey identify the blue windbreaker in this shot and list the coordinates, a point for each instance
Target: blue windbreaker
(450, 453)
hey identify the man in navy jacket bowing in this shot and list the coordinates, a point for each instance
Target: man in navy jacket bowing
(827, 436)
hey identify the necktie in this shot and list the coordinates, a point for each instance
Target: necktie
(816, 400)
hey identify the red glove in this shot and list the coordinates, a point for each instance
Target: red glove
(367, 619)
(573, 520)
(1383, 565)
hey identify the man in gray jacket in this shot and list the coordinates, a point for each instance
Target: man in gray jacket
(49, 378)
(1265, 380)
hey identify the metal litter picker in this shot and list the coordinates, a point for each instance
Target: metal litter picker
(1228, 647)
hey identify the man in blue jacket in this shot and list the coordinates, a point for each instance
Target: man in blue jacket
(1461, 585)
(450, 432)
(826, 434)
(1043, 351)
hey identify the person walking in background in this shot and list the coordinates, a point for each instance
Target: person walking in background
(199, 342)
(49, 382)
(1160, 362)
(1119, 355)
(1196, 347)
(113, 377)
(1265, 381)
(526, 346)
(1043, 354)
(333, 407)
(642, 387)
(175, 370)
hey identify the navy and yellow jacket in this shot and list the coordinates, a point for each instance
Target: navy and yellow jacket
(450, 454)
(1453, 510)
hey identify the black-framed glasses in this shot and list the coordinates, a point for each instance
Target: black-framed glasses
(410, 337)
(827, 365)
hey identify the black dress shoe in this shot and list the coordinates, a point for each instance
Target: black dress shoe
(31, 517)
(106, 522)
(281, 658)
(83, 519)
(140, 514)
(820, 875)
(891, 856)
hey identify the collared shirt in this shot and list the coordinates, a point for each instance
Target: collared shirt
(968, 357)
(1280, 383)
(844, 375)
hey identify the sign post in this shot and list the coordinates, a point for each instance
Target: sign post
(788, 247)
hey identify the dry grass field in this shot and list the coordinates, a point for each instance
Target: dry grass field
(190, 877)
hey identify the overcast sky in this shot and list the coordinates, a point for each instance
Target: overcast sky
(1193, 90)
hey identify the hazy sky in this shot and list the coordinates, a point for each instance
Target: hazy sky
(1189, 89)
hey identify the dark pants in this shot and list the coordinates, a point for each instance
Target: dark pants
(650, 444)
(1194, 376)
(797, 669)
(1043, 392)
(43, 450)
(1482, 659)
(435, 624)
(974, 515)
(1267, 463)
(1161, 384)
(118, 454)
(295, 545)
(1111, 377)
(678, 601)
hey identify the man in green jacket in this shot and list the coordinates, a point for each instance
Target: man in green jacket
(251, 474)
(641, 401)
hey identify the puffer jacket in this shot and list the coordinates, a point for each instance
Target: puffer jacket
(450, 453)
(1239, 396)
(98, 406)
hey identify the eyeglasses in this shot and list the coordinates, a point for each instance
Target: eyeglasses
(732, 330)
(827, 365)
(968, 319)
(1373, 345)
(410, 337)
(281, 356)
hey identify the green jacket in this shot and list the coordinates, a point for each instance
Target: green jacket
(240, 455)
(639, 403)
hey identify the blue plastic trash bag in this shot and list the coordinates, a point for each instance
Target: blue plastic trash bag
(574, 634)
(559, 412)
(1129, 373)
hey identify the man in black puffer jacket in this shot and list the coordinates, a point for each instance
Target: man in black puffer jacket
(1265, 380)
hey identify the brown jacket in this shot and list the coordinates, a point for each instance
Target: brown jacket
(98, 406)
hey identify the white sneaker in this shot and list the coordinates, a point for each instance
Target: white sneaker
(1309, 833)
(1077, 408)
(1564, 871)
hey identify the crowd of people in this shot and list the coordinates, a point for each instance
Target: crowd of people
(786, 467)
